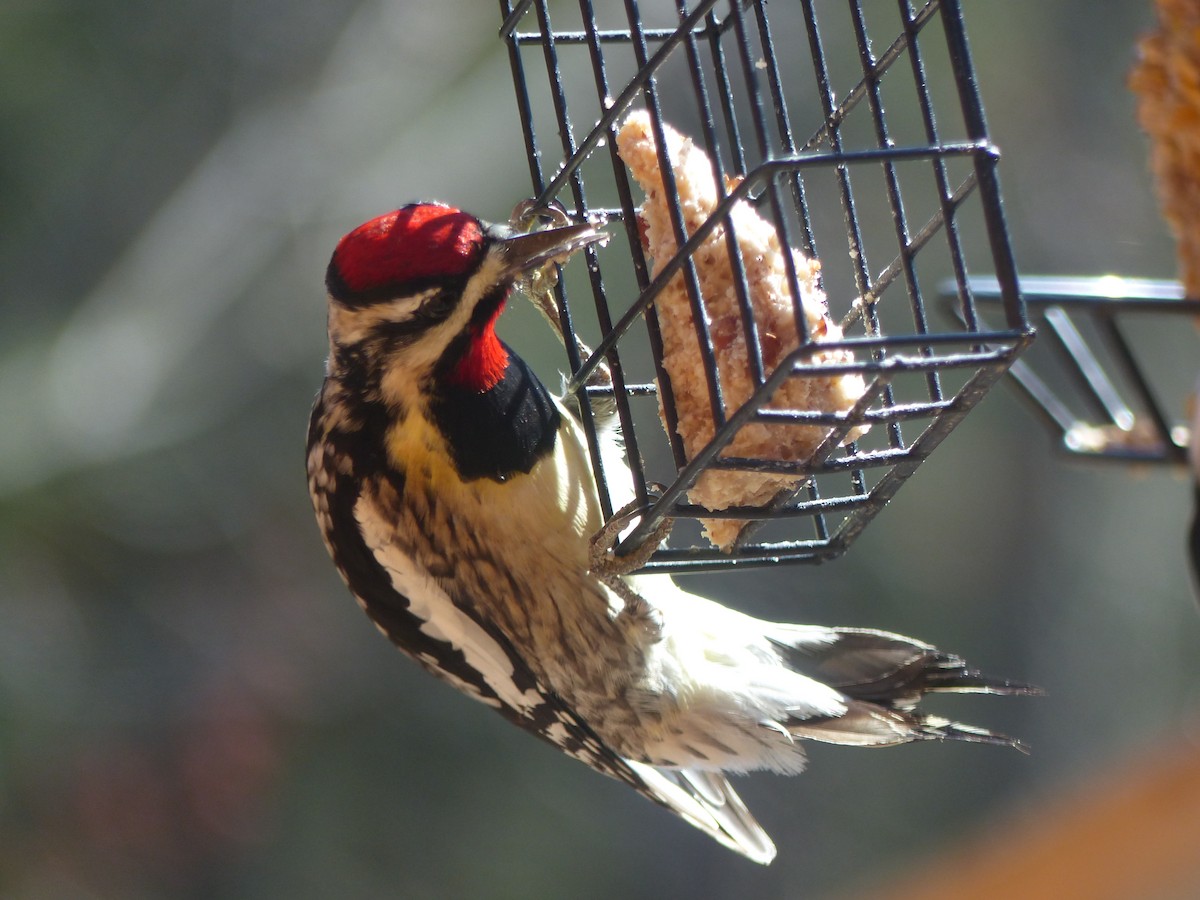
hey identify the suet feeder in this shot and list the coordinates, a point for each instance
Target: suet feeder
(857, 131)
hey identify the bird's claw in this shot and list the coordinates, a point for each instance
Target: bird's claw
(603, 560)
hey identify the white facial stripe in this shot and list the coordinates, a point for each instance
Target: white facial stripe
(423, 355)
(349, 326)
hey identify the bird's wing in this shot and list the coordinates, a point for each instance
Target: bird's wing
(420, 618)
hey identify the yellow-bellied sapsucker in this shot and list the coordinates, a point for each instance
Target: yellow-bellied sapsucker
(456, 497)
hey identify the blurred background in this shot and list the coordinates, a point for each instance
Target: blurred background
(192, 706)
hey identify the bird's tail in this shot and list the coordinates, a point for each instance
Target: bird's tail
(708, 801)
(883, 677)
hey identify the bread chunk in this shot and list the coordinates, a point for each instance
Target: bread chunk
(774, 316)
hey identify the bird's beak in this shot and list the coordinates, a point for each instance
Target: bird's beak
(526, 251)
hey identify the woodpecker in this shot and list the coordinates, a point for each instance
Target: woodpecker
(456, 498)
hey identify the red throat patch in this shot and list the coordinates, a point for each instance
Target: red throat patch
(485, 360)
(421, 241)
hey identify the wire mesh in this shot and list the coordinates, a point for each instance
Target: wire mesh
(1105, 379)
(857, 131)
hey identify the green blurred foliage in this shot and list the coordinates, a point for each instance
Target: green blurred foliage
(191, 705)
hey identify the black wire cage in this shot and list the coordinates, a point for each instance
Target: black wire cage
(857, 131)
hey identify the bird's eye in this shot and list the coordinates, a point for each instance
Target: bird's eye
(438, 307)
